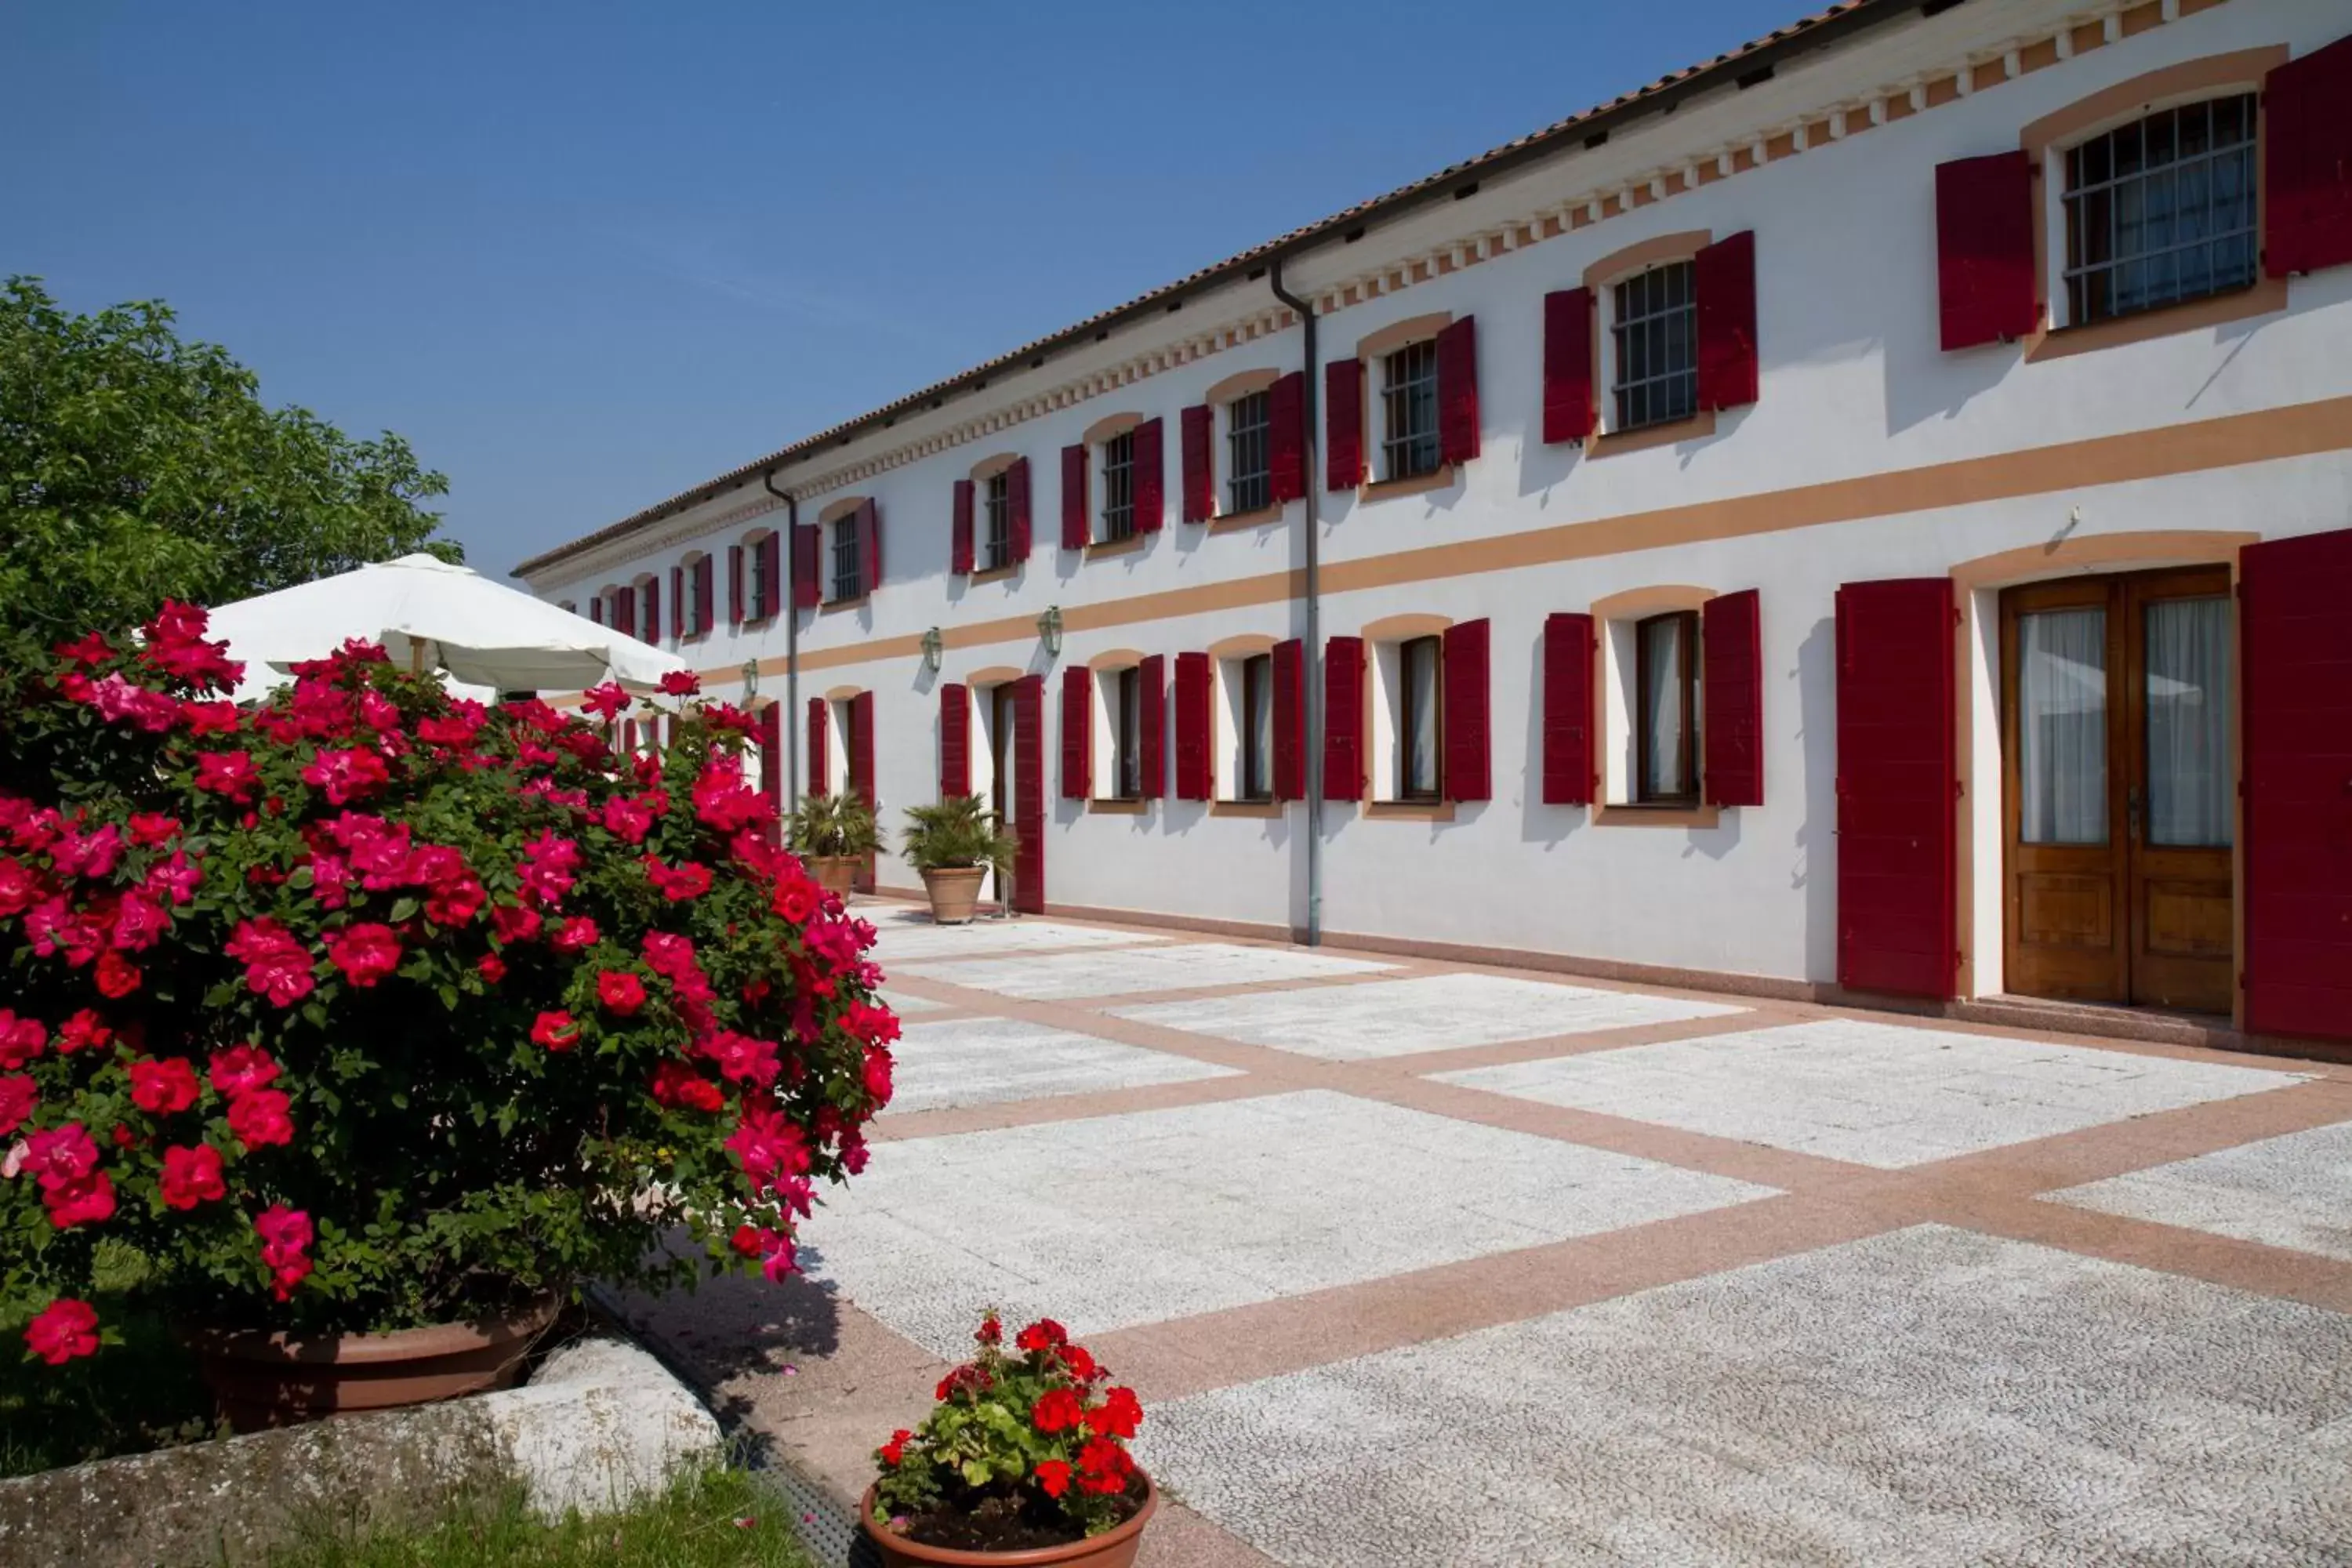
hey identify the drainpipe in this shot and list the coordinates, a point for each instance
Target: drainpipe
(1312, 664)
(791, 719)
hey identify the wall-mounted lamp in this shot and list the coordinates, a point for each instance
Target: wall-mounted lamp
(932, 645)
(750, 681)
(1049, 630)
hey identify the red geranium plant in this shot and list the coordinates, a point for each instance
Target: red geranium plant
(367, 1007)
(1026, 1448)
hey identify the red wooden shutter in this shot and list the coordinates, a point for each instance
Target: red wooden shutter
(2307, 161)
(820, 768)
(1897, 786)
(861, 768)
(1074, 497)
(1731, 698)
(1290, 720)
(808, 554)
(1984, 249)
(596, 609)
(1151, 678)
(1029, 794)
(624, 611)
(1457, 392)
(680, 621)
(1725, 276)
(1195, 769)
(1016, 501)
(1568, 360)
(1343, 424)
(703, 618)
(1078, 732)
(869, 546)
(1197, 427)
(959, 552)
(1568, 760)
(771, 761)
(955, 740)
(1286, 437)
(1343, 719)
(1150, 478)
(734, 584)
(1462, 716)
(772, 574)
(2296, 643)
(653, 609)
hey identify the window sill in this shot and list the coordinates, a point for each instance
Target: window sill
(1633, 816)
(832, 606)
(1128, 546)
(1609, 443)
(1246, 807)
(1419, 484)
(2261, 298)
(1115, 805)
(1409, 810)
(994, 573)
(1236, 522)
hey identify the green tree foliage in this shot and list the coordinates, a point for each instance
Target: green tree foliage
(136, 467)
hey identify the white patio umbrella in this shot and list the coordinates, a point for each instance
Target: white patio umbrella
(432, 615)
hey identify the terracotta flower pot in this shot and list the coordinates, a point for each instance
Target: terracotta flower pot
(955, 892)
(265, 1379)
(834, 873)
(1112, 1549)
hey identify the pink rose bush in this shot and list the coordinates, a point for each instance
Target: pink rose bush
(366, 1007)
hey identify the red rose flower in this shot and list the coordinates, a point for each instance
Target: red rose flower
(63, 1329)
(18, 1097)
(191, 1176)
(259, 1119)
(21, 1039)
(878, 1075)
(345, 776)
(511, 923)
(740, 1059)
(364, 952)
(556, 1031)
(605, 700)
(241, 1069)
(229, 774)
(149, 828)
(163, 1088)
(1058, 1410)
(680, 1087)
(574, 935)
(680, 683)
(1053, 1476)
(619, 993)
(490, 967)
(116, 976)
(285, 1236)
(276, 964)
(87, 1200)
(81, 1031)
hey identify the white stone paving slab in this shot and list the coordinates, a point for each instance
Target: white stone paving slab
(981, 1061)
(1874, 1094)
(1931, 1396)
(1112, 1221)
(907, 1007)
(1429, 1012)
(909, 936)
(2294, 1191)
(1059, 976)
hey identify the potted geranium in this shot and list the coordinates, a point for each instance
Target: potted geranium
(1023, 1459)
(954, 844)
(352, 1031)
(835, 834)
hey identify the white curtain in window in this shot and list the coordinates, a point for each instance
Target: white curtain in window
(1420, 674)
(1261, 678)
(2061, 727)
(2192, 779)
(1662, 705)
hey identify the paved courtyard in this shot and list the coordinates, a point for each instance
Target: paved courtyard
(1418, 1263)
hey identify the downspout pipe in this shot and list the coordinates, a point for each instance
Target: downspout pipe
(790, 717)
(1312, 664)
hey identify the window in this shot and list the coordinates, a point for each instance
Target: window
(1409, 408)
(1417, 720)
(567, 606)
(2161, 210)
(763, 592)
(1118, 486)
(1126, 733)
(689, 608)
(996, 493)
(1654, 330)
(1665, 685)
(1254, 779)
(1249, 468)
(848, 583)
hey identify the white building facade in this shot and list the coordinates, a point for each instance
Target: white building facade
(1872, 515)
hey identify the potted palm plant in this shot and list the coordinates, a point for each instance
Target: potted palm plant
(835, 834)
(954, 844)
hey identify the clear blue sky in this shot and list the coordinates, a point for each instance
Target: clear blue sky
(585, 255)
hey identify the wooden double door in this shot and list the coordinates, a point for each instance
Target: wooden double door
(2120, 789)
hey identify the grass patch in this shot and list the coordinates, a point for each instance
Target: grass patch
(720, 1519)
(143, 1394)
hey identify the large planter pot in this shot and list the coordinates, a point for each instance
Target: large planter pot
(955, 892)
(264, 1379)
(1112, 1549)
(834, 873)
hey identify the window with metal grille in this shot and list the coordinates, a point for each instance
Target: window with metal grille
(697, 588)
(997, 497)
(1127, 763)
(1656, 331)
(763, 592)
(1119, 486)
(1417, 719)
(1249, 469)
(2161, 210)
(848, 582)
(1409, 410)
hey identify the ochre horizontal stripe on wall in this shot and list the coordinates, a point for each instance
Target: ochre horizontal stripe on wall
(2300, 430)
